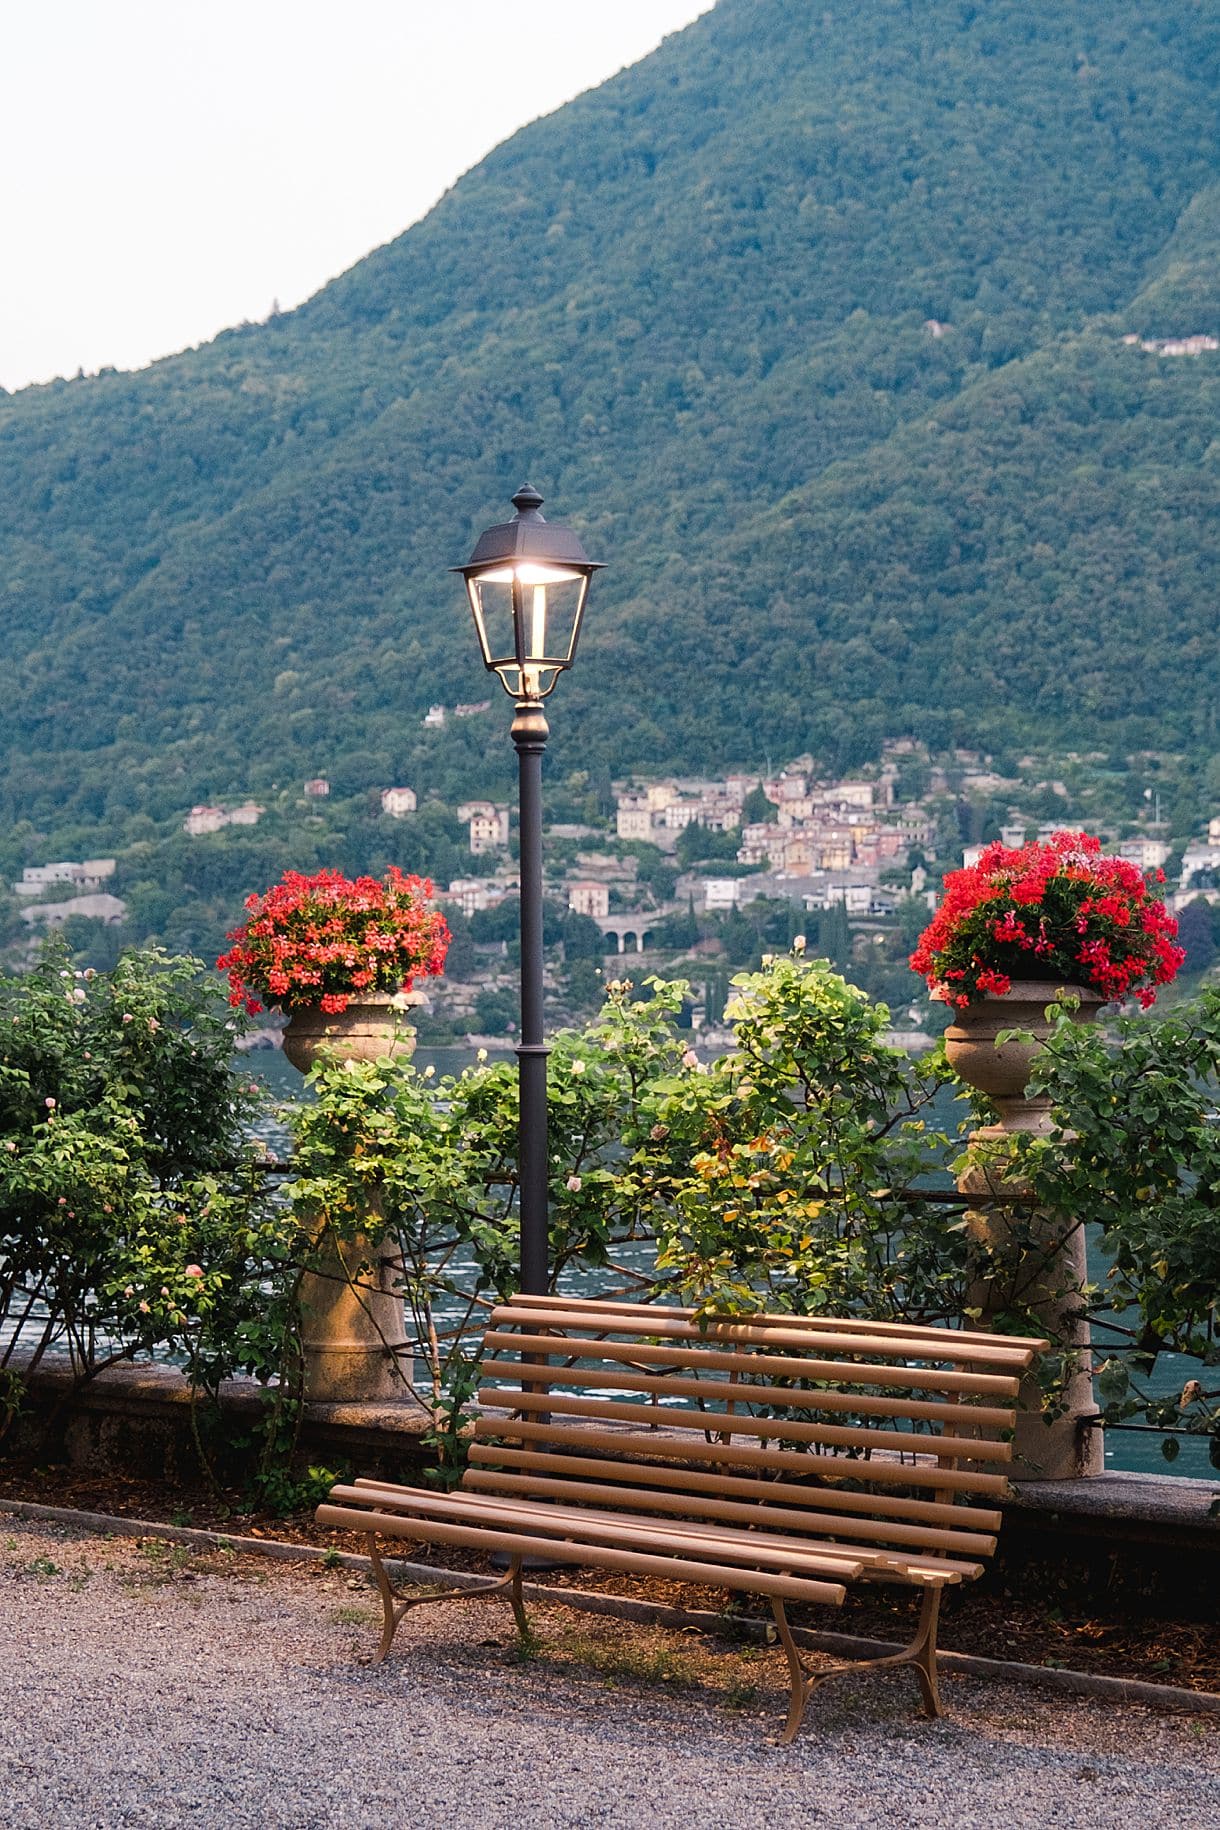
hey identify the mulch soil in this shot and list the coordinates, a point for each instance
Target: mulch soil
(1118, 1634)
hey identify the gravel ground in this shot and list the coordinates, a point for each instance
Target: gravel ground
(149, 1686)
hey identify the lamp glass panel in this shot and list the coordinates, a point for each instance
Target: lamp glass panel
(548, 601)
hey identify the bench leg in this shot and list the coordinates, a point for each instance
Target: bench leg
(921, 1653)
(394, 1605)
(801, 1684)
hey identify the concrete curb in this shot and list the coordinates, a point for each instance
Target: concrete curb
(592, 1601)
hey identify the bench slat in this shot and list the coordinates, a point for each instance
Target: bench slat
(689, 1447)
(770, 1318)
(936, 1344)
(629, 1500)
(867, 1404)
(589, 1526)
(897, 1336)
(674, 1417)
(862, 1513)
(437, 1531)
(648, 1353)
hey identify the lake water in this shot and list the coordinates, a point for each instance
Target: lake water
(1128, 1450)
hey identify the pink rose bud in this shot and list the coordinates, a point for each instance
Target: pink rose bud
(574, 1184)
(194, 1270)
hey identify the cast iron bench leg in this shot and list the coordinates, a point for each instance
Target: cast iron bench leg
(921, 1653)
(394, 1605)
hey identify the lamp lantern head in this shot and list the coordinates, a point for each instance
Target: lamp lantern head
(527, 581)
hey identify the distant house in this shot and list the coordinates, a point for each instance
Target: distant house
(633, 819)
(589, 898)
(212, 819)
(1145, 854)
(488, 825)
(466, 711)
(398, 801)
(87, 876)
(728, 892)
(1178, 346)
(435, 715)
(317, 788)
(488, 830)
(470, 894)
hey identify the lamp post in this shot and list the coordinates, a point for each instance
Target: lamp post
(527, 582)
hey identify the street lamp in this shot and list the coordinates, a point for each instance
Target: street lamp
(527, 582)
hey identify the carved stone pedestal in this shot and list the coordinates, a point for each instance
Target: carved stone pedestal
(1033, 1261)
(353, 1321)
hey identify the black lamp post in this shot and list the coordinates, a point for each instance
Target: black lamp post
(527, 583)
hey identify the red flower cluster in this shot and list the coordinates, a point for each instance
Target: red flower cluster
(1058, 911)
(325, 939)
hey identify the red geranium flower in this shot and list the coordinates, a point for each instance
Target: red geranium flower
(1060, 910)
(321, 939)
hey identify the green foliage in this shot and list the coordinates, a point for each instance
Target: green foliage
(131, 1205)
(791, 1163)
(1136, 1152)
(801, 1171)
(695, 303)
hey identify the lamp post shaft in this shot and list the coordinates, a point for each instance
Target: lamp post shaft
(529, 734)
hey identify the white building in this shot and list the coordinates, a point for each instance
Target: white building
(473, 893)
(589, 898)
(87, 876)
(435, 715)
(633, 819)
(204, 819)
(398, 802)
(721, 893)
(1145, 854)
(488, 826)
(317, 788)
(1199, 860)
(212, 819)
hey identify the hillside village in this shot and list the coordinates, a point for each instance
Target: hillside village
(688, 876)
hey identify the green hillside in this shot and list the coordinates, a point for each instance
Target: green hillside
(693, 307)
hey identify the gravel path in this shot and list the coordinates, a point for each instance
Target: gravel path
(149, 1686)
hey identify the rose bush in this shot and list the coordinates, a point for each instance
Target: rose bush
(1057, 911)
(327, 938)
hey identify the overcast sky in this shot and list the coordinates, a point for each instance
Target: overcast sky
(167, 169)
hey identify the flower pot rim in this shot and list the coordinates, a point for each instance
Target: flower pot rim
(1026, 989)
(358, 1000)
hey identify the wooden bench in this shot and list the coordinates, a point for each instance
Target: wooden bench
(780, 1456)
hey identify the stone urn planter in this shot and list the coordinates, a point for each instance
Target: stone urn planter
(374, 1029)
(353, 1321)
(1003, 1073)
(1031, 1259)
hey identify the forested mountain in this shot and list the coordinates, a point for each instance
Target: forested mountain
(812, 323)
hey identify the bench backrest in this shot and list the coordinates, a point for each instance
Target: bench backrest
(878, 1432)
